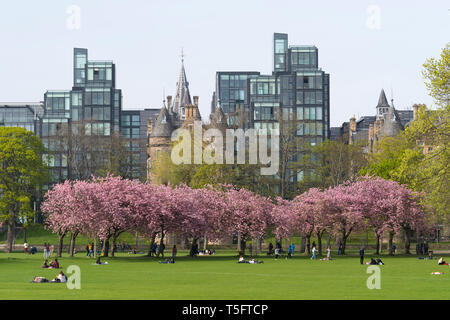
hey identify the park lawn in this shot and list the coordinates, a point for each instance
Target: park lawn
(220, 277)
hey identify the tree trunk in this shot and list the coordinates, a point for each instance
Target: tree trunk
(152, 242)
(160, 243)
(73, 237)
(106, 246)
(191, 251)
(344, 242)
(308, 244)
(95, 247)
(391, 240)
(319, 242)
(407, 240)
(60, 244)
(243, 245)
(11, 232)
(239, 242)
(114, 240)
(24, 234)
(378, 245)
(303, 244)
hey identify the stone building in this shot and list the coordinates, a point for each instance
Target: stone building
(368, 130)
(178, 113)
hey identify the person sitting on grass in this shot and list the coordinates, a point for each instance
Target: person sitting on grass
(442, 262)
(45, 264)
(61, 277)
(54, 264)
(241, 260)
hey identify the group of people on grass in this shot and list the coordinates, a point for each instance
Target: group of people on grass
(51, 264)
(60, 277)
(251, 261)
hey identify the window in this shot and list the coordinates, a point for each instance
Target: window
(135, 133)
(299, 113)
(312, 113)
(280, 46)
(300, 129)
(300, 96)
(126, 120)
(319, 128)
(135, 120)
(108, 74)
(76, 99)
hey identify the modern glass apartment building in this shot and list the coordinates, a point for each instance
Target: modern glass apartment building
(27, 115)
(91, 109)
(80, 124)
(230, 94)
(134, 129)
(297, 91)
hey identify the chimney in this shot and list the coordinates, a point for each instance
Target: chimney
(415, 111)
(149, 126)
(353, 123)
(169, 101)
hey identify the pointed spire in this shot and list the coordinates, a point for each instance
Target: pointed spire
(163, 126)
(182, 96)
(382, 101)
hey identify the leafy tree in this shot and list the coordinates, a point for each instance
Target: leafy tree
(22, 174)
(335, 162)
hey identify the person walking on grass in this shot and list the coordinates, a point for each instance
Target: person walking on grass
(361, 255)
(314, 253)
(45, 251)
(174, 252)
(328, 253)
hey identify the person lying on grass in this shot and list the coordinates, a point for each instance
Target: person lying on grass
(251, 261)
(167, 261)
(39, 280)
(99, 262)
(442, 262)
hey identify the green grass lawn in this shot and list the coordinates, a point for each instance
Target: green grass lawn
(220, 277)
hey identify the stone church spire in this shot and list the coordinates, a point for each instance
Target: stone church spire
(182, 96)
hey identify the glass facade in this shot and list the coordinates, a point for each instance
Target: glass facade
(230, 94)
(92, 108)
(23, 115)
(297, 90)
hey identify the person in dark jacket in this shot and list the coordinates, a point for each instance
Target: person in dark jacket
(361, 255)
(270, 249)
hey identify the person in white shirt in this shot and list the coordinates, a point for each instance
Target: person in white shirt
(314, 253)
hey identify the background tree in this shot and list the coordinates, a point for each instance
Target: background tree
(22, 174)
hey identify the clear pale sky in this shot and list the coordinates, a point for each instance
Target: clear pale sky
(144, 38)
